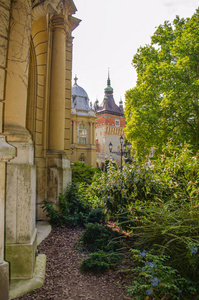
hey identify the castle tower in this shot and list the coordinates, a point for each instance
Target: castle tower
(109, 126)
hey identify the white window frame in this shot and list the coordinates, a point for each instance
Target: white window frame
(117, 123)
(82, 134)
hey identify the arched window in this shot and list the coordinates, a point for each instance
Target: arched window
(81, 134)
(82, 158)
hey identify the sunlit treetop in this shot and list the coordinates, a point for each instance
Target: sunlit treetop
(164, 103)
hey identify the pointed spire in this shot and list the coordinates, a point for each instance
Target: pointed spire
(108, 80)
(108, 88)
(75, 79)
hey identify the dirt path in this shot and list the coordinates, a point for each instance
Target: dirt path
(63, 278)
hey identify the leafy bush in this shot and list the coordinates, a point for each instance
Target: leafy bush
(153, 278)
(117, 190)
(170, 230)
(100, 261)
(82, 173)
(104, 243)
(98, 237)
(173, 176)
(177, 172)
(158, 201)
(97, 215)
(72, 208)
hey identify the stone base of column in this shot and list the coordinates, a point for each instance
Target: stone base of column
(67, 173)
(20, 238)
(53, 178)
(21, 258)
(41, 187)
(4, 281)
(59, 175)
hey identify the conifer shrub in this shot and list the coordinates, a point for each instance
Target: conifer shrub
(99, 237)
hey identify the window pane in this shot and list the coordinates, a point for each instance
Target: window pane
(81, 134)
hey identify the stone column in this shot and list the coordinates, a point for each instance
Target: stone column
(92, 132)
(59, 173)
(7, 152)
(21, 173)
(75, 132)
(57, 90)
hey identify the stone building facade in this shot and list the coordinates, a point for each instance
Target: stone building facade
(35, 123)
(83, 122)
(109, 127)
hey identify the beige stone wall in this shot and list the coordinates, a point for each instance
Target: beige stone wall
(35, 93)
(4, 26)
(52, 47)
(4, 147)
(20, 174)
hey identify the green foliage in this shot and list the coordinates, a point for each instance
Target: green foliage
(104, 243)
(165, 104)
(109, 162)
(171, 230)
(158, 202)
(154, 279)
(82, 173)
(173, 176)
(72, 209)
(98, 237)
(96, 215)
(177, 170)
(100, 261)
(52, 214)
(117, 190)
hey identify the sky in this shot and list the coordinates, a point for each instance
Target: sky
(109, 35)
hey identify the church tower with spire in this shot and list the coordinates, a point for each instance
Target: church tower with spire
(110, 125)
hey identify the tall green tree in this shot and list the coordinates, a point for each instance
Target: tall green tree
(164, 103)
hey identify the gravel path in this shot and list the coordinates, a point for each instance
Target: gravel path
(63, 278)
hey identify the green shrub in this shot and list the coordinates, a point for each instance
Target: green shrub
(117, 190)
(72, 209)
(98, 237)
(82, 173)
(97, 215)
(170, 230)
(100, 261)
(152, 277)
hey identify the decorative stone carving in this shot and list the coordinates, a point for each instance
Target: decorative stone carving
(54, 7)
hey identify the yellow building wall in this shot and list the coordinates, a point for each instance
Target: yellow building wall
(87, 151)
(35, 129)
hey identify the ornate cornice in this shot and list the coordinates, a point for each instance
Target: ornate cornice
(73, 22)
(52, 7)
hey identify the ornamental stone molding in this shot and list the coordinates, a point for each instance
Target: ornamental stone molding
(53, 7)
